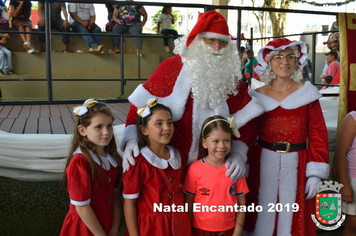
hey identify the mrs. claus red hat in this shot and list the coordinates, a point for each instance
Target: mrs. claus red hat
(210, 24)
(277, 45)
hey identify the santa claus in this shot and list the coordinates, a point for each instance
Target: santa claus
(202, 81)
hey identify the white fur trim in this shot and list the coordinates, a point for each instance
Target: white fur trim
(214, 35)
(131, 196)
(303, 96)
(175, 101)
(252, 110)
(259, 69)
(129, 133)
(174, 160)
(200, 113)
(318, 169)
(278, 177)
(81, 203)
(288, 185)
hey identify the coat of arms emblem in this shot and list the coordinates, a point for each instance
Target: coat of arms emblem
(328, 205)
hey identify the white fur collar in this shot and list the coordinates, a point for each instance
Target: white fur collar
(174, 161)
(105, 160)
(175, 101)
(307, 94)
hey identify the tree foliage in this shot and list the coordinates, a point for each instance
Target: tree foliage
(176, 14)
(278, 19)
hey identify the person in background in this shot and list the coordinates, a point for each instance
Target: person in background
(345, 157)
(5, 56)
(128, 19)
(110, 8)
(164, 25)
(4, 18)
(56, 22)
(307, 68)
(244, 59)
(83, 21)
(21, 12)
(248, 72)
(333, 64)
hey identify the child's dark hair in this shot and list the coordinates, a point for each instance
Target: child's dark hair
(86, 145)
(207, 129)
(165, 8)
(142, 121)
(328, 79)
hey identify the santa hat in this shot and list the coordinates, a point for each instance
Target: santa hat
(210, 24)
(278, 45)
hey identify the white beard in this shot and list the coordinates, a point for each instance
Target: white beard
(213, 74)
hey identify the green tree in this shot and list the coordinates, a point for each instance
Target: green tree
(176, 14)
(278, 19)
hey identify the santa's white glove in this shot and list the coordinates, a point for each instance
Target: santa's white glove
(131, 149)
(310, 188)
(236, 166)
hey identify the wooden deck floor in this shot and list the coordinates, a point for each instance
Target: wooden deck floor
(48, 119)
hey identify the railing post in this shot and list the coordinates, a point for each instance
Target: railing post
(122, 64)
(313, 58)
(238, 37)
(139, 59)
(251, 55)
(48, 51)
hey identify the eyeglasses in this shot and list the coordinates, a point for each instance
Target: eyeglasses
(280, 58)
(213, 41)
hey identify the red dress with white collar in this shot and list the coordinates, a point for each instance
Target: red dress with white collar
(144, 183)
(82, 191)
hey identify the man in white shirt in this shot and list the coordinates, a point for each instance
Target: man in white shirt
(83, 21)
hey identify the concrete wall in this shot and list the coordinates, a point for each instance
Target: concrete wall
(79, 66)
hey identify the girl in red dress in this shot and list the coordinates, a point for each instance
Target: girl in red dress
(152, 186)
(93, 171)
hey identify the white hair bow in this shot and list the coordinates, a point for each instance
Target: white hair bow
(83, 109)
(145, 110)
(233, 127)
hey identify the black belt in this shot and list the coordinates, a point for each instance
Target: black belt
(282, 147)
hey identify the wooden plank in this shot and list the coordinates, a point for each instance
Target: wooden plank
(15, 112)
(35, 111)
(54, 111)
(19, 126)
(64, 110)
(44, 111)
(6, 124)
(44, 126)
(118, 122)
(57, 125)
(124, 107)
(25, 111)
(6, 111)
(116, 109)
(68, 124)
(31, 126)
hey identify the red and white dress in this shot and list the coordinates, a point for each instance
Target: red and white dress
(281, 178)
(171, 85)
(144, 183)
(82, 191)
